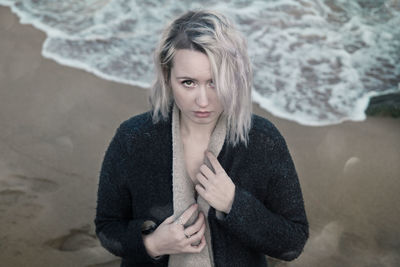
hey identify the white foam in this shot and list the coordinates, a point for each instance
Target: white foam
(76, 63)
(315, 62)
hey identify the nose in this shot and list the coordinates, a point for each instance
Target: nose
(202, 97)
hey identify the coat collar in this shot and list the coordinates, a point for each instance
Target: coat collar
(184, 193)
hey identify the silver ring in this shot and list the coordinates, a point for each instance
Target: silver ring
(187, 236)
(179, 221)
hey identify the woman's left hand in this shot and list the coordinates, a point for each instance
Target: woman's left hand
(216, 188)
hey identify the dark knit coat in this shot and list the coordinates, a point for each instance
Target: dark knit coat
(267, 215)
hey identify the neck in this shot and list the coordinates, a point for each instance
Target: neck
(195, 131)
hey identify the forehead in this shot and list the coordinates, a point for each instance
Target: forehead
(192, 64)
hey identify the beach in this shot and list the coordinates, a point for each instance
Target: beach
(56, 123)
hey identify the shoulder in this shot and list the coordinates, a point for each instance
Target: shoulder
(139, 133)
(261, 126)
(265, 135)
(137, 123)
(141, 124)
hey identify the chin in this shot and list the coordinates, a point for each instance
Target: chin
(204, 120)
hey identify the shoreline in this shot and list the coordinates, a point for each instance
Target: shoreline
(380, 105)
(57, 122)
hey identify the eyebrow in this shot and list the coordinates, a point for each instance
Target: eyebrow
(189, 78)
(185, 77)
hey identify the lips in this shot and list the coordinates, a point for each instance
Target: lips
(202, 113)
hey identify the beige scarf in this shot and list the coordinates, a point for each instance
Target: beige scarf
(184, 192)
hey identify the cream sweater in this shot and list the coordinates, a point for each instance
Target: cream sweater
(184, 193)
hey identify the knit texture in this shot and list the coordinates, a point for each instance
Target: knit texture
(267, 216)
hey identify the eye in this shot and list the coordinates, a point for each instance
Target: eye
(188, 83)
(212, 85)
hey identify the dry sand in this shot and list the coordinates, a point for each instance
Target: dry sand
(56, 122)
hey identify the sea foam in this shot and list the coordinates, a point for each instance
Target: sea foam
(316, 62)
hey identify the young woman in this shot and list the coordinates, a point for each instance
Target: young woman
(199, 180)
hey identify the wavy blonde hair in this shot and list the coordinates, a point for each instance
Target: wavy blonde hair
(214, 35)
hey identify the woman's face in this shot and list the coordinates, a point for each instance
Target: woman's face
(193, 88)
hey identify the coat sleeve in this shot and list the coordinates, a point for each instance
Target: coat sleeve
(277, 225)
(117, 231)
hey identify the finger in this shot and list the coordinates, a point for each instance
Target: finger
(207, 172)
(200, 246)
(197, 236)
(196, 248)
(202, 180)
(187, 214)
(169, 220)
(194, 228)
(201, 190)
(215, 163)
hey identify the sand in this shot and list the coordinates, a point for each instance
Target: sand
(56, 122)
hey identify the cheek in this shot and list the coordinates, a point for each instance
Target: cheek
(178, 97)
(215, 100)
(178, 101)
(218, 105)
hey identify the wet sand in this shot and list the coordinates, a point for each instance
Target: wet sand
(56, 122)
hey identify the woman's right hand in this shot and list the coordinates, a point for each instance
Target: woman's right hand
(169, 237)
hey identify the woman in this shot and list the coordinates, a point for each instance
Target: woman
(199, 180)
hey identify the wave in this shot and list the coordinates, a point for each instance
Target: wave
(316, 62)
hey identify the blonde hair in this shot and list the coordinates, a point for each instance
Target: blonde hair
(214, 35)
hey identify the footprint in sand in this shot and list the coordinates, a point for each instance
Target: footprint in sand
(10, 196)
(77, 239)
(36, 184)
(29, 210)
(17, 193)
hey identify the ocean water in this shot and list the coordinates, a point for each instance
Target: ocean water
(316, 62)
